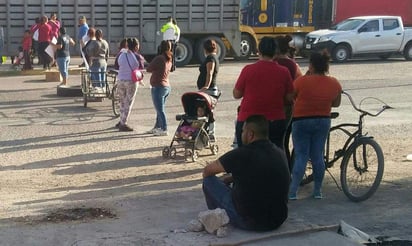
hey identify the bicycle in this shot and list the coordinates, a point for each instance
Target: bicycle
(362, 163)
(109, 91)
(114, 96)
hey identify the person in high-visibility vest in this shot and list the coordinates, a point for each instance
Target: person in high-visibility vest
(171, 32)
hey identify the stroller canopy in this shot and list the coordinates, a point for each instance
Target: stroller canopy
(191, 100)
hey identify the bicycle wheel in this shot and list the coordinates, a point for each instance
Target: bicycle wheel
(115, 101)
(362, 169)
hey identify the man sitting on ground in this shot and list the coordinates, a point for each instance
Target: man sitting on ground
(257, 199)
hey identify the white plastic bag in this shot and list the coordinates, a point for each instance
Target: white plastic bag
(36, 35)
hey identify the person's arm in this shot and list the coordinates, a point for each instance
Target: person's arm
(210, 67)
(290, 98)
(59, 44)
(238, 90)
(290, 94)
(107, 51)
(71, 41)
(153, 65)
(177, 34)
(298, 72)
(213, 168)
(237, 94)
(336, 101)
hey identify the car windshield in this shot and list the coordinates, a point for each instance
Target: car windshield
(346, 25)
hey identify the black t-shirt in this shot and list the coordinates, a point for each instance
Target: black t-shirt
(260, 183)
(201, 79)
(64, 40)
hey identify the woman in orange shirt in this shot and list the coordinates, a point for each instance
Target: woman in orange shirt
(315, 94)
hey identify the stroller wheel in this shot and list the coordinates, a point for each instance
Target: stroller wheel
(214, 148)
(188, 153)
(172, 153)
(166, 152)
(195, 155)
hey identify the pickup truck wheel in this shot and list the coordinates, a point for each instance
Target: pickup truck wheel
(341, 53)
(408, 52)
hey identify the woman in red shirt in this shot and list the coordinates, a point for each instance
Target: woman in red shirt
(264, 87)
(45, 35)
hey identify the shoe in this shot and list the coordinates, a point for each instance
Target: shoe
(317, 195)
(97, 90)
(82, 65)
(125, 128)
(153, 130)
(160, 133)
(117, 125)
(293, 197)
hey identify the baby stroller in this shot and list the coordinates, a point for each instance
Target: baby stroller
(192, 131)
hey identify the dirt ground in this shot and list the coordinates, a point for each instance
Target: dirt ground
(68, 177)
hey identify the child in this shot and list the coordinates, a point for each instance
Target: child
(16, 61)
(27, 43)
(187, 129)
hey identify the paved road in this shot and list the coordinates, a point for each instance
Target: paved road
(48, 143)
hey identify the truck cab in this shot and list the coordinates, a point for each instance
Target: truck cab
(259, 18)
(364, 35)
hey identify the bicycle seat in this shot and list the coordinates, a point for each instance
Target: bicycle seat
(334, 115)
(113, 72)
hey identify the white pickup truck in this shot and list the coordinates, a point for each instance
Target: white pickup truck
(365, 35)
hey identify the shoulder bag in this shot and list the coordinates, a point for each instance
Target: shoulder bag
(137, 74)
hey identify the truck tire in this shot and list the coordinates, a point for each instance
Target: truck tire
(184, 52)
(407, 52)
(341, 53)
(221, 48)
(246, 47)
(69, 91)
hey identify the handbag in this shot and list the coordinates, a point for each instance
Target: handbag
(36, 35)
(137, 74)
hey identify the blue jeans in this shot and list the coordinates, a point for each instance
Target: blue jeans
(159, 95)
(219, 195)
(98, 75)
(63, 63)
(309, 137)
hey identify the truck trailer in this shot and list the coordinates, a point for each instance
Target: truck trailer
(198, 20)
(344, 9)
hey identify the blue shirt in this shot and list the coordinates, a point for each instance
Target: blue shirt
(82, 31)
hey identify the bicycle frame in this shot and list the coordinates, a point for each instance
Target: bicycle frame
(353, 165)
(351, 137)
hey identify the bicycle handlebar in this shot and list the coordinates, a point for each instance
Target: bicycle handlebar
(384, 107)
